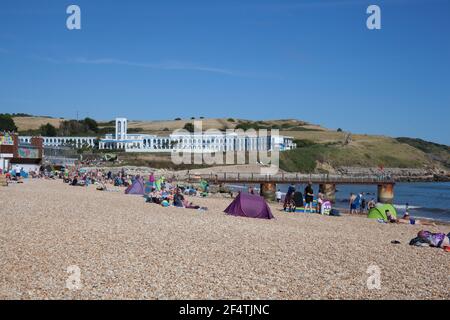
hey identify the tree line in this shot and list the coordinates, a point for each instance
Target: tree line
(67, 128)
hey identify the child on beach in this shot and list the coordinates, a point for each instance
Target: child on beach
(278, 195)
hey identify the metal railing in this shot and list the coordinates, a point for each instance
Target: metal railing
(236, 177)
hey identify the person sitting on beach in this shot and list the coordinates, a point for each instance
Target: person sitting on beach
(407, 219)
(178, 199)
(74, 181)
(153, 196)
(288, 197)
(101, 186)
(372, 204)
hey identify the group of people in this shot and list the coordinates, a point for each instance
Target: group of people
(407, 218)
(14, 173)
(161, 191)
(294, 198)
(172, 196)
(359, 204)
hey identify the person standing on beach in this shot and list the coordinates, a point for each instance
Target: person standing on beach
(17, 171)
(151, 179)
(309, 197)
(278, 195)
(320, 201)
(357, 204)
(352, 203)
(363, 202)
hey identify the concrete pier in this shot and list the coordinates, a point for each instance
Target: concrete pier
(386, 193)
(329, 191)
(268, 190)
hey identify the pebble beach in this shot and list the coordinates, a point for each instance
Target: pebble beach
(125, 248)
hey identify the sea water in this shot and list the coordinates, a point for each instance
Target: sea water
(429, 200)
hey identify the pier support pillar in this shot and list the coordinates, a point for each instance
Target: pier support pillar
(329, 191)
(268, 190)
(386, 193)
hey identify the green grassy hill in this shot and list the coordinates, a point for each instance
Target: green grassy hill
(363, 151)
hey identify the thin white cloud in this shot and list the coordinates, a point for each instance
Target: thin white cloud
(167, 65)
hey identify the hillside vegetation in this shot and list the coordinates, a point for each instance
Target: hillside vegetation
(436, 152)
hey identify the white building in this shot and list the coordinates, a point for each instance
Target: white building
(76, 142)
(176, 142)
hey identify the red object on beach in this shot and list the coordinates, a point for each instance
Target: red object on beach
(447, 249)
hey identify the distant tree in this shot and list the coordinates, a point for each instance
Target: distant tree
(177, 119)
(189, 127)
(21, 115)
(202, 117)
(230, 120)
(47, 130)
(71, 128)
(91, 124)
(339, 130)
(7, 123)
(192, 118)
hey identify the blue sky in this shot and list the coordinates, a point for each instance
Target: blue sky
(310, 60)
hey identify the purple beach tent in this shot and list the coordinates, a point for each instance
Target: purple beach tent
(137, 187)
(249, 205)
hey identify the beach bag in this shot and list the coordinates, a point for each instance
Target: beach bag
(335, 213)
